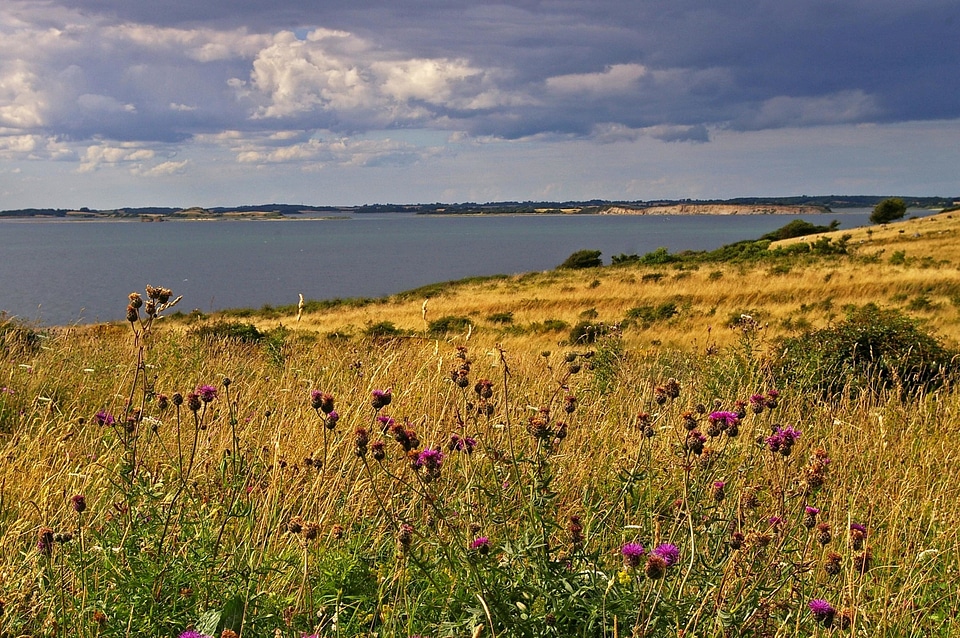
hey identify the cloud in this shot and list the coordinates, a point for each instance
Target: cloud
(162, 169)
(618, 78)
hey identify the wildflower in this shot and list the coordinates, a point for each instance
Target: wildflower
(430, 460)
(378, 449)
(810, 516)
(736, 540)
(331, 421)
(337, 531)
(569, 404)
(844, 619)
(822, 611)
(632, 553)
(381, 398)
(311, 530)
(695, 442)
(104, 418)
(361, 441)
(782, 440)
(775, 522)
(672, 388)
(163, 402)
(79, 503)
(45, 541)
(656, 567)
(669, 552)
(190, 633)
(405, 536)
(480, 545)
(726, 418)
(831, 563)
(207, 393)
(771, 400)
(689, 421)
(484, 388)
(858, 533)
(757, 403)
(718, 490)
(229, 633)
(660, 395)
(177, 399)
(193, 402)
(461, 443)
(295, 525)
(386, 422)
(741, 409)
(321, 401)
(823, 533)
(575, 529)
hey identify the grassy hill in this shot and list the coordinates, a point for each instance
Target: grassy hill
(753, 450)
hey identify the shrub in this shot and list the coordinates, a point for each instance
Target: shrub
(587, 332)
(229, 330)
(583, 259)
(800, 228)
(383, 329)
(501, 317)
(872, 349)
(650, 314)
(888, 210)
(450, 323)
(17, 336)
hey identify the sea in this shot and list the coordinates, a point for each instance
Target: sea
(63, 272)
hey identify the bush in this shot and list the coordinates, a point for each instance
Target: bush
(587, 332)
(450, 323)
(15, 336)
(888, 210)
(650, 314)
(501, 317)
(230, 331)
(583, 259)
(383, 329)
(872, 349)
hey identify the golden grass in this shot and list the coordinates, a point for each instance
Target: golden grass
(925, 282)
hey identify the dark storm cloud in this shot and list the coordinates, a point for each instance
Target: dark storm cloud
(671, 69)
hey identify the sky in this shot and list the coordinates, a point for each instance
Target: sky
(113, 103)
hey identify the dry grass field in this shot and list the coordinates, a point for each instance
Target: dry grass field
(251, 475)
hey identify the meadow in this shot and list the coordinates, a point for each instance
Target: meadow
(757, 442)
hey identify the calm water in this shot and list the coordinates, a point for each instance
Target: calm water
(60, 272)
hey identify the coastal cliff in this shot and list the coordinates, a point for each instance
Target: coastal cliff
(716, 209)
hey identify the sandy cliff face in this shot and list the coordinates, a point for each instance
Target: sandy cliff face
(716, 209)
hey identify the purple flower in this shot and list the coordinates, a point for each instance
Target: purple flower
(857, 527)
(724, 417)
(462, 443)
(430, 459)
(190, 633)
(632, 552)
(104, 418)
(381, 398)
(480, 545)
(822, 611)
(669, 552)
(782, 439)
(207, 393)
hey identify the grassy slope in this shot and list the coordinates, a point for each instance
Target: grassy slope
(783, 295)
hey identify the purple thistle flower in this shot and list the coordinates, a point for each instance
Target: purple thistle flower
(381, 398)
(480, 545)
(431, 459)
(822, 611)
(723, 417)
(857, 527)
(190, 633)
(104, 418)
(207, 393)
(632, 552)
(669, 552)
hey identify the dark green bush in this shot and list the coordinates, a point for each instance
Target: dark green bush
(872, 349)
(648, 314)
(383, 329)
(17, 336)
(583, 259)
(501, 317)
(450, 323)
(229, 330)
(587, 332)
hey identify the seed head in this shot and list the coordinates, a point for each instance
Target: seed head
(79, 503)
(381, 398)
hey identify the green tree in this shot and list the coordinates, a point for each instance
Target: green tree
(888, 210)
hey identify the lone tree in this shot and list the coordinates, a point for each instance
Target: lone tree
(888, 210)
